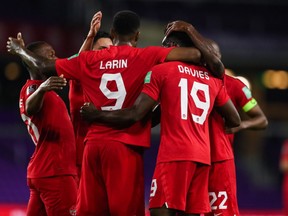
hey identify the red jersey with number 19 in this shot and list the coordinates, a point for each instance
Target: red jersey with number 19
(52, 132)
(221, 143)
(112, 79)
(187, 95)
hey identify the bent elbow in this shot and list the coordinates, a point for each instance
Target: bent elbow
(265, 123)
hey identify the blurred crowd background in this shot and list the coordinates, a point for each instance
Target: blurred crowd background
(252, 35)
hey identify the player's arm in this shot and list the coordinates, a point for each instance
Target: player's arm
(208, 54)
(230, 114)
(156, 116)
(256, 121)
(34, 102)
(283, 166)
(119, 118)
(94, 28)
(44, 65)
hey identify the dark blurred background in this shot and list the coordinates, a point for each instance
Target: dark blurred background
(252, 35)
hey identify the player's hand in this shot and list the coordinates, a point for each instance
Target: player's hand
(15, 45)
(88, 111)
(178, 25)
(53, 83)
(95, 24)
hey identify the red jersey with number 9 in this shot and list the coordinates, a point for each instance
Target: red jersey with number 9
(187, 95)
(112, 79)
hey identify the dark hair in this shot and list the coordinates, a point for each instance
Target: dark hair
(177, 38)
(34, 46)
(101, 34)
(126, 22)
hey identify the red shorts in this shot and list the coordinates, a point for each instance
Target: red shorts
(52, 196)
(112, 180)
(222, 189)
(181, 185)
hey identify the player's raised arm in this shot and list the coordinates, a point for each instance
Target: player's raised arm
(213, 62)
(46, 66)
(94, 28)
(119, 118)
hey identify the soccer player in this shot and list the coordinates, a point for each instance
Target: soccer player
(283, 164)
(95, 40)
(187, 94)
(112, 181)
(51, 171)
(222, 177)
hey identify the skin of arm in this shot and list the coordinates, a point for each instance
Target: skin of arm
(35, 101)
(44, 65)
(256, 121)
(284, 166)
(94, 28)
(208, 54)
(230, 114)
(119, 118)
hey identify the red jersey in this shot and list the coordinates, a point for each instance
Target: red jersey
(187, 94)
(52, 133)
(112, 79)
(221, 143)
(80, 126)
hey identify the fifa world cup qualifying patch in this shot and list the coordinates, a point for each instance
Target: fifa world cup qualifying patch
(148, 77)
(73, 56)
(247, 92)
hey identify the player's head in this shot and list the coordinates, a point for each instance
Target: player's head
(125, 26)
(42, 48)
(102, 40)
(178, 39)
(215, 47)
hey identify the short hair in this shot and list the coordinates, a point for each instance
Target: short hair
(126, 22)
(177, 38)
(101, 34)
(35, 46)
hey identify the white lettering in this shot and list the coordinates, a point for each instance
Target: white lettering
(114, 64)
(193, 72)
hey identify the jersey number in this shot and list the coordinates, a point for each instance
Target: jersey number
(119, 95)
(204, 105)
(153, 188)
(214, 196)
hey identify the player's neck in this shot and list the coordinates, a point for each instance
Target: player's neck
(122, 43)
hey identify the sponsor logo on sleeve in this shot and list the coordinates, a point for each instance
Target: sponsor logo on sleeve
(148, 77)
(31, 89)
(73, 56)
(247, 92)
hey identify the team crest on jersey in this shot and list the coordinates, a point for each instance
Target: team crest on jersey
(72, 211)
(247, 92)
(73, 56)
(31, 89)
(148, 77)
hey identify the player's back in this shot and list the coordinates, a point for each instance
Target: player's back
(222, 143)
(112, 79)
(188, 93)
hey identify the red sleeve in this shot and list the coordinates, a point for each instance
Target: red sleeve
(153, 83)
(161, 53)
(27, 90)
(70, 67)
(222, 97)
